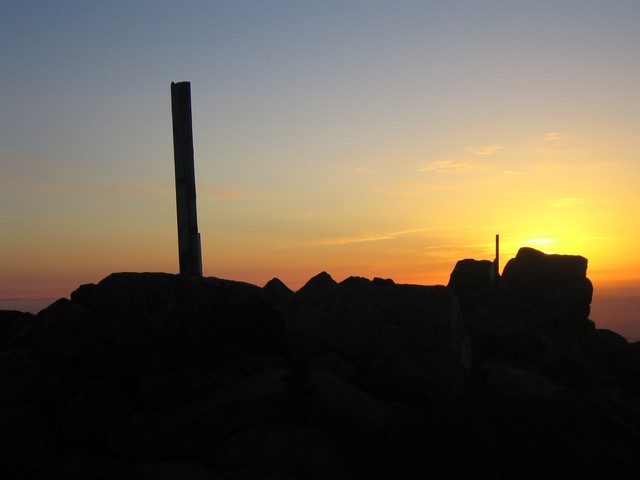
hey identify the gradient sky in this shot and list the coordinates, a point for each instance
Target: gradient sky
(366, 138)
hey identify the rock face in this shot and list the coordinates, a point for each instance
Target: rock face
(547, 290)
(139, 324)
(471, 279)
(164, 376)
(401, 337)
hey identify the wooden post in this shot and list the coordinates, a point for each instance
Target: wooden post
(188, 237)
(497, 272)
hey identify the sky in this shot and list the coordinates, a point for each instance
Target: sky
(372, 138)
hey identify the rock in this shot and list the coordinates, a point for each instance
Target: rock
(79, 466)
(355, 281)
(320, 284)
(24, 449)
(405, 339)
(229, 373)
(66, 336)
(177, 469)
(277, 293)
(306, 451)
(547, 291)
(539, 429)
(626, 367)
(15, 328)
(496, 333)
(173, 386)
(194, 428)
(95, 419)
(611, 342)
(333, 363)
(136, 325)
(568, 359)
(253, 364)
(347, 404)
(277, 289)
(471, 278)
(27, 379)
(261, 473)
(387, 439)
(362, 423)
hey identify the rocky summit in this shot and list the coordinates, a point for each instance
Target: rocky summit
(159, 376)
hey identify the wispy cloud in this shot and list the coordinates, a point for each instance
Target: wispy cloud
(485, 150)
(451, 166)
(551, 136)
(376, 237)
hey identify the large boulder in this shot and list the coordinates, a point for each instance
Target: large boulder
(406, 340)
(471, 278)
(389, 439)
(27, 379)
(25, 448)
(194, 428)
(284, 447)
(547, 291)
(15, 328)
(140, 324)
(536, 428)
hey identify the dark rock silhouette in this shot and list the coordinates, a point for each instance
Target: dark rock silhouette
(167, 376)
(548, 290)
(471, 278)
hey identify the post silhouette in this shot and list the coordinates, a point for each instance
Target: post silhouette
(188, 237)
(497, 261)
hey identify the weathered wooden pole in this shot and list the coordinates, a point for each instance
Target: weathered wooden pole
(188, 236)
(497, 272)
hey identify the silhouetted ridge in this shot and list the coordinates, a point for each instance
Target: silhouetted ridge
(321, 281)
(151, 375)
(353, 280)
(383, 281)
(275, 288)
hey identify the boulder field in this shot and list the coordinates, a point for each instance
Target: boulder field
(160, 376)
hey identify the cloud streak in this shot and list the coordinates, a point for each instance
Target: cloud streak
(485, 150)
(551, 136)
(451, 166)
(350, 239)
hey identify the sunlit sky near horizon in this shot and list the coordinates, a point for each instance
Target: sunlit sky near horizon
(367, 138)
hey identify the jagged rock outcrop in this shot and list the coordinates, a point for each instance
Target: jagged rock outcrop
(547, 290)
(403, 338)
(471, 278)
(166, 376)
(140, 324)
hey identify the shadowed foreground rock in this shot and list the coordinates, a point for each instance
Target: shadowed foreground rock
(162, 376)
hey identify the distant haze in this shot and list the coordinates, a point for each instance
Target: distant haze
(31, 305)
(618, 313)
